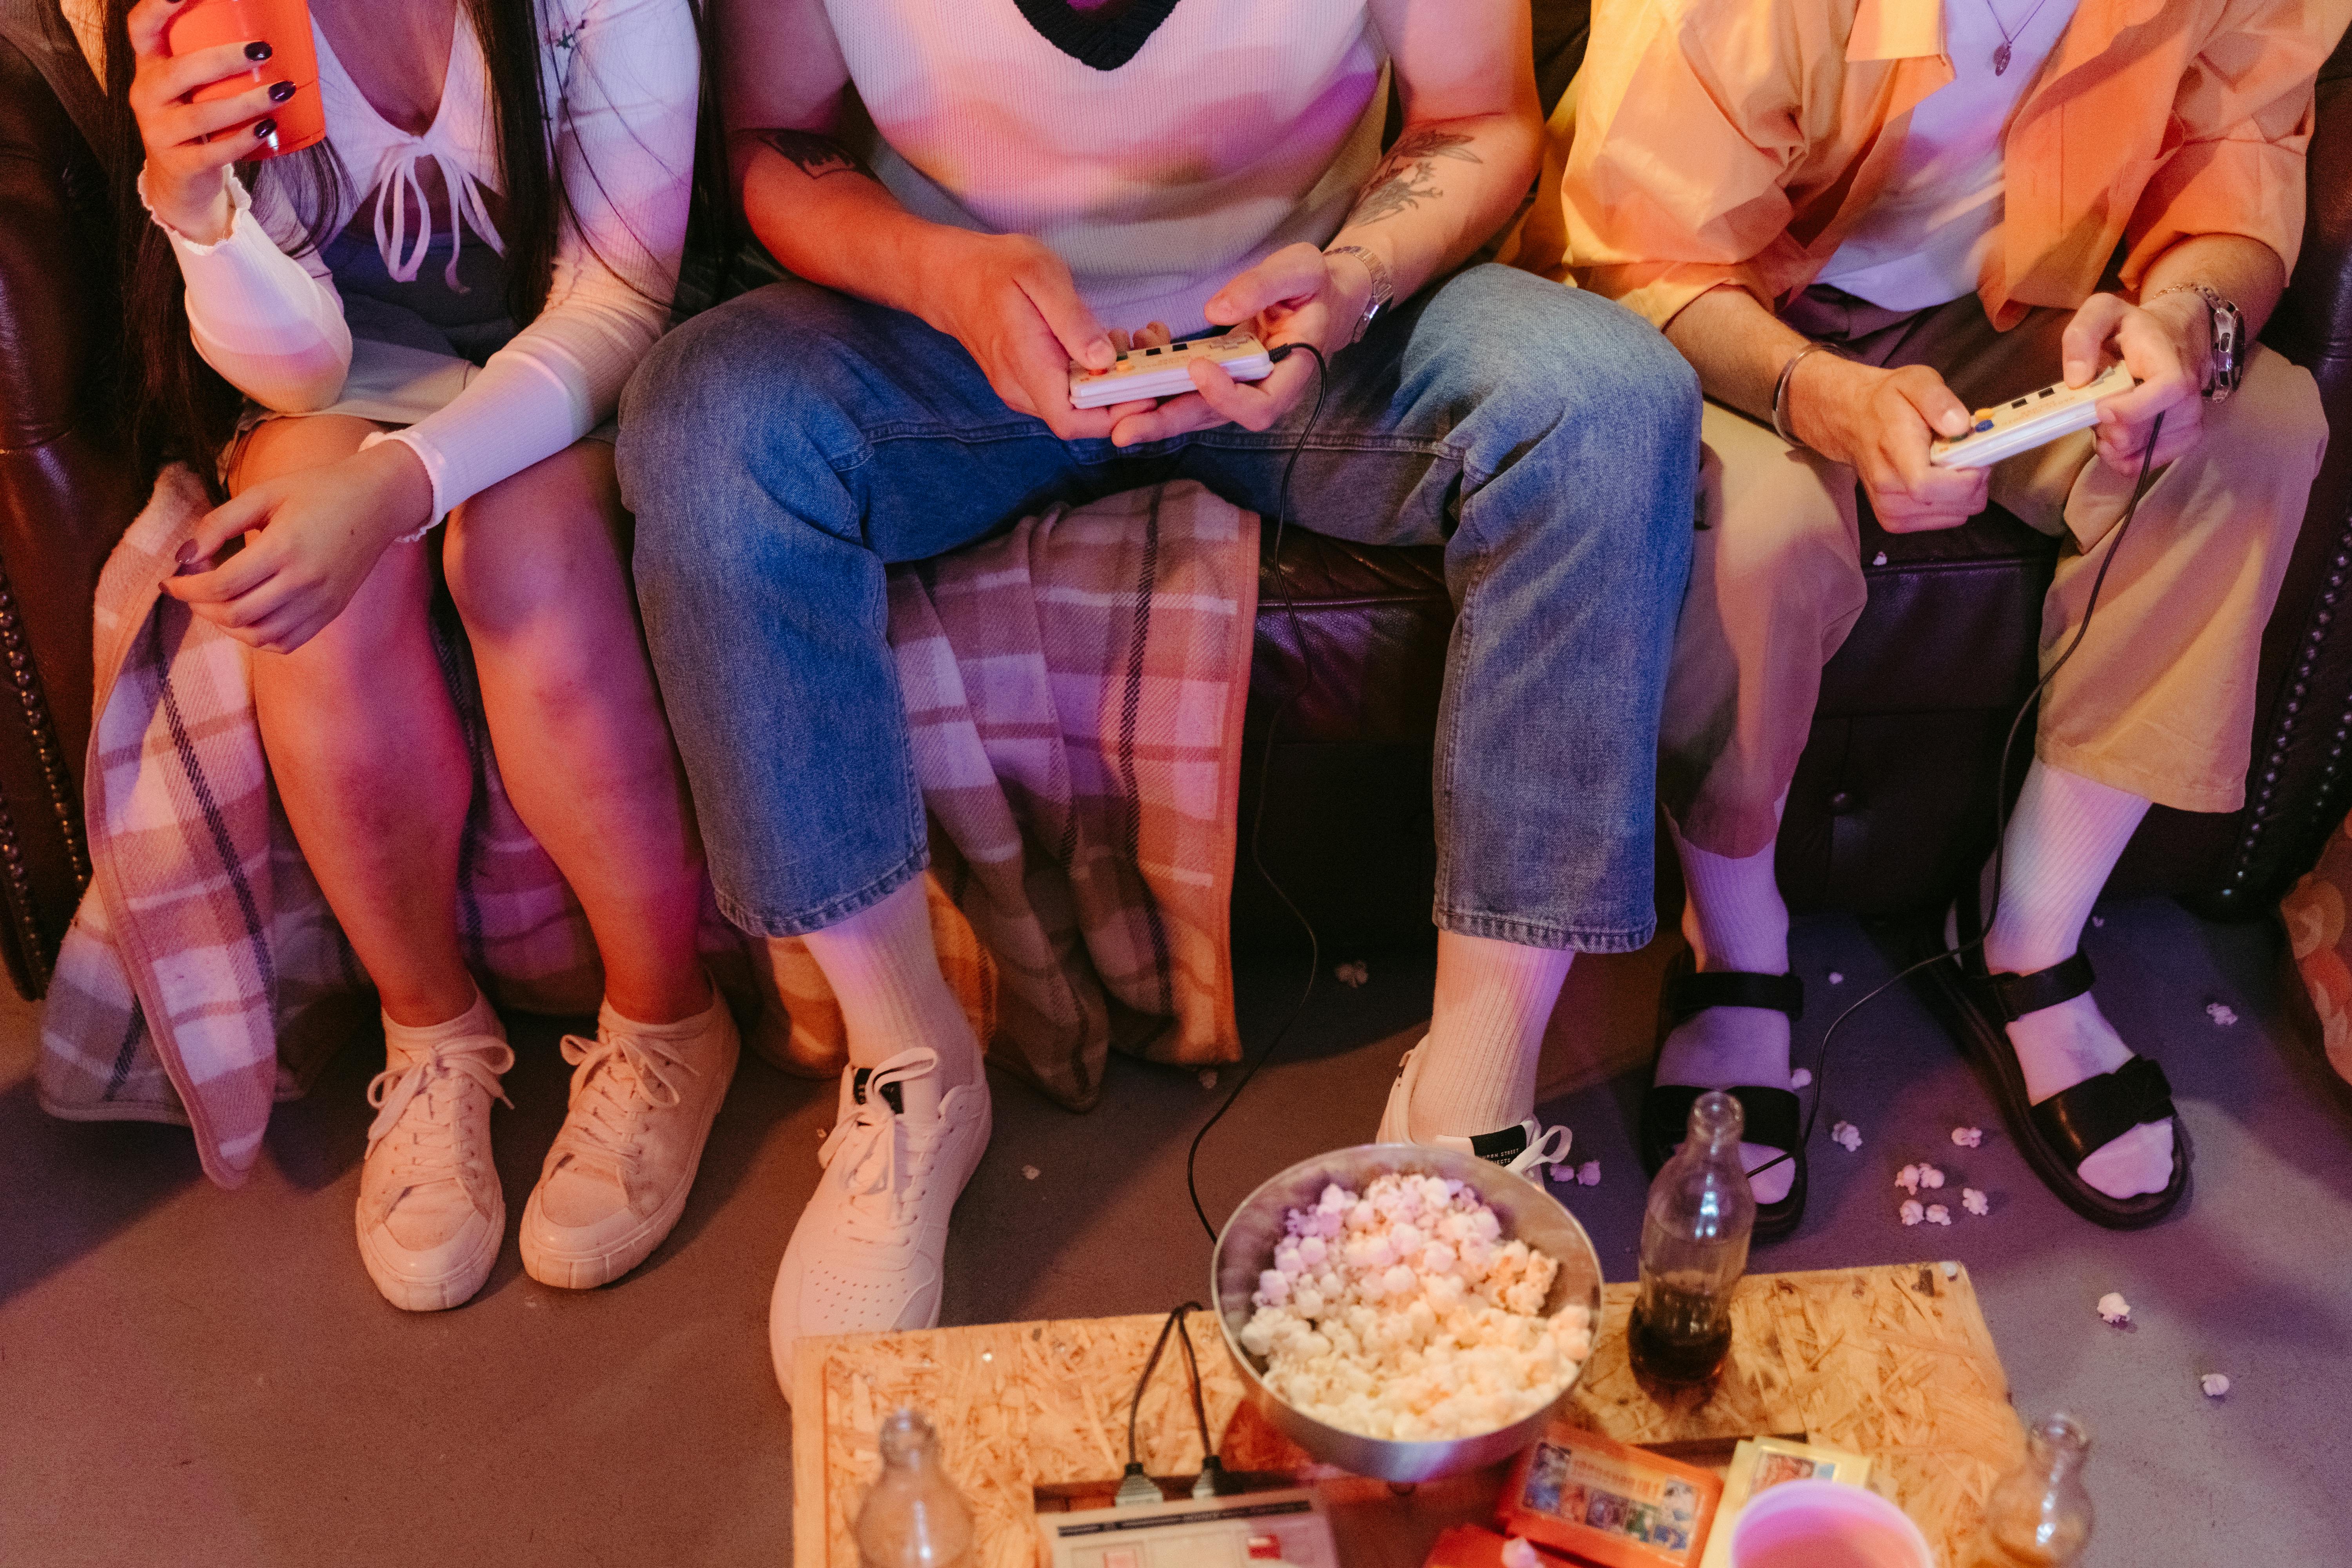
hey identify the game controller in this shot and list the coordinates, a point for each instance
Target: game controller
(2034, 420)
(1166, 372)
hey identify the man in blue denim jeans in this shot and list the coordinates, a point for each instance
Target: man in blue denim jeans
(1016, 188)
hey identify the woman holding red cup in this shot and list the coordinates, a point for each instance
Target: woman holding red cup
(428, 313)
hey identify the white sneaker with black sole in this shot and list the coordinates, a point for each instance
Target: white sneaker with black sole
(1524, 1148)
(866, 1256)
(617, 1175)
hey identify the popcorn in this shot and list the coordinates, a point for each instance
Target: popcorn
(2214, 1385)
(1907, 1178)
(1801, 1078)
(1847, 1133)
(2099, 920)
(2221, 1014)
(1975, 1202)
(1835, 978)
(1969, 1137)
(1951, 1270)
(2115, 1309)
(1879, 559)
(1518, 1554)
(1589, 1173)
(1911, 1211)
(1423, 1324)
(1208, 1077)
(1030, 1172)
(1939, 1215)
(1930, 1177)
(1351, 974)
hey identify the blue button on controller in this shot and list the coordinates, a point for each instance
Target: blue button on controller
(1983, 425)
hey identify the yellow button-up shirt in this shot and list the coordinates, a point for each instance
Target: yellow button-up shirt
(1736, 141)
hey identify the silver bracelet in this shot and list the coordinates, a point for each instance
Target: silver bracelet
(1781, 389)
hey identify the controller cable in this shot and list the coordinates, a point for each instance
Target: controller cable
(1999, 814)
(1135, 1487)
(1296, 690)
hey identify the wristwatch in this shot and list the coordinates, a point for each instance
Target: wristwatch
(1383, 286)
(2225, 332)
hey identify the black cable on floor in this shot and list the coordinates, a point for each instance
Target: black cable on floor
(1265, 768)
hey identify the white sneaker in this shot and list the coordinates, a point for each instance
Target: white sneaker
(615, 1179)
(431, 1214)
(865, 1257)
(1524, 1148)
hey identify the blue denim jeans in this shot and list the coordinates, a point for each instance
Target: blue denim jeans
(783, 449)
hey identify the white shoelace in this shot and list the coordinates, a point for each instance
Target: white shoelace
(431, 1144)
(861, 1155)
(613, 1083)
(1542, 1152)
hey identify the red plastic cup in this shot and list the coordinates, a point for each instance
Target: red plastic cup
(285, 27)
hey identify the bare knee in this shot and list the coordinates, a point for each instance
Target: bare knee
(276, 447)
(382, 627)
(539, 546)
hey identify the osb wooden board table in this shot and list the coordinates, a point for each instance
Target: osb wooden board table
(1895, 1362)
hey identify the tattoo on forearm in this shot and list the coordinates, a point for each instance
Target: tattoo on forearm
(817, 157)
(1408, 176)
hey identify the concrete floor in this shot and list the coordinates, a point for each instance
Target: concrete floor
(195, 1376)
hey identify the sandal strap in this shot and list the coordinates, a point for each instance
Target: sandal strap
(1774, 1117)
(2094, 1113)
(1694, 992)
(2018, 994)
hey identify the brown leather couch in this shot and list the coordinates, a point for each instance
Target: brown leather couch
(1894, 789)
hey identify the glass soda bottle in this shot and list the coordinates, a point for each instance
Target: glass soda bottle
(1694, 1248)
(914, 1516)
(2040, 1514)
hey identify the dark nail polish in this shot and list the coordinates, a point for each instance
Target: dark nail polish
(187, 555)
(263, 129)
(279, 91)
(257, 51)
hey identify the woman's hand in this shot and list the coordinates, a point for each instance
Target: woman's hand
(186, 153)
(2158, 344)
(312, 538)
(1881, 424)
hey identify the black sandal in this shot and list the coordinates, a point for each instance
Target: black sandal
(2058, 1134)
(1775, 1119)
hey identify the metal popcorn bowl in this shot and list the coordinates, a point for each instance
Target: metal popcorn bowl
(1245, 1248)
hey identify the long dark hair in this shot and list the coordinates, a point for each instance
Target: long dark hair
(180, 407)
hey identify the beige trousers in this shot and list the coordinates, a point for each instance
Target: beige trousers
(2158, 700)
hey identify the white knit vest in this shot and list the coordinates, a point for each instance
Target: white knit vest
(1238, 127)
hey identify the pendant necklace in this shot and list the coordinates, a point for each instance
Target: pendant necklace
(2000, 56)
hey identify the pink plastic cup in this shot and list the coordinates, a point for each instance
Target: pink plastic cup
(1826, 1524)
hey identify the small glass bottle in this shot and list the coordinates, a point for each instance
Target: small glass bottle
(2040, 1514)
(914, 1516)
(1694, 1248)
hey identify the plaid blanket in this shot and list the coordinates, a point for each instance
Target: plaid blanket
(204, 976)
(1074, 688)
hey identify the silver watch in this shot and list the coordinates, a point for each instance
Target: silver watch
(2225, 335)
(1383, 286)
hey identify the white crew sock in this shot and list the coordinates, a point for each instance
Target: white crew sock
(885, 971)
(1477, 1067)
(405, 1042)
(2064, 839)
(1734, 920)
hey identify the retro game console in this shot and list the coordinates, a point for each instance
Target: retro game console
(1252, 1528)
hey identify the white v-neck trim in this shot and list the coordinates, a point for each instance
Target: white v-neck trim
(460, 29)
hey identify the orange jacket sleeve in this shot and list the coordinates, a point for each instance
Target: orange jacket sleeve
(1686, 124)
(2241, 123)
